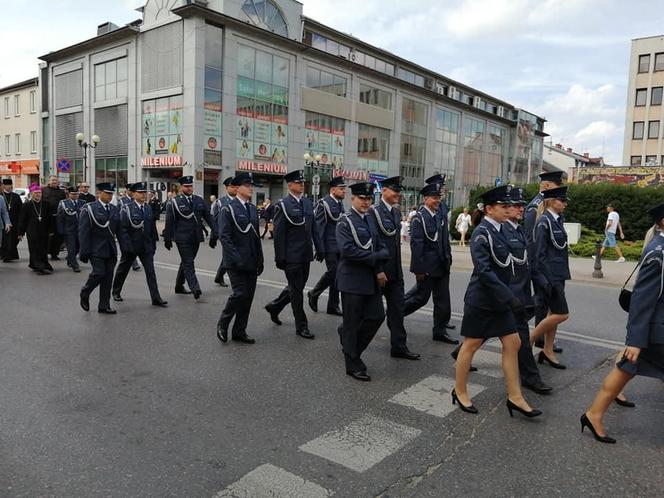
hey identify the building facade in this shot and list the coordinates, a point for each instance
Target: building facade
(210, 88)
(644, 140)
(19, 138)
(559, 158)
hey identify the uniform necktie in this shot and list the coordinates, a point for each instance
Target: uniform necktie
(246, 206)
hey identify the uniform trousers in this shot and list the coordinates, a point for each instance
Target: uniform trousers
(419, 295)
(187, 270)
(238, 305)
(541, 308)
(297, 275)
(221, 271)
(328, 279)
(528, 370)
(71, 239)
(54, 244)
(395, 301)
(126, 262)
(363, 316)
(102, 276)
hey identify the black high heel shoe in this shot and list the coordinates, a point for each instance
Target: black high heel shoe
(531, 414)
(541, 358)
(625, 402)
(585, 422)
(464, 408)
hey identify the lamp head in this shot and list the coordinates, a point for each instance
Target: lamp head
(79, 138)
(318, 158)
(307, 157)
(96, 139)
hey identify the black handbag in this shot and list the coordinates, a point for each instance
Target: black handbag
(625, 296)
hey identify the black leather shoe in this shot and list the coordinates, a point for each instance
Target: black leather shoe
(136, 267)
(161, 303)
(107, 311)
(406, 355)
(539, 343)
(557, 349)
(305, 334)
(274, 316)
(334, 311)
(222, 333)
(117, 298)
(445, 338)
(55, 258)
(85, 303)
(197, 294)
(244, 338)
(313, 301)
(220, 281)
(182, 290)
(77, 270)
(361, 376)
(539, 387)
(541, 358)
(449, 326)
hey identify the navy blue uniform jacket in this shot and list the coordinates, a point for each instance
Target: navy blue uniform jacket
(238, 233)
(489, 286)
(358, 267)
(138, 230)
(429, 252)
(67, 215)
(645, 324)
(550, 264)
(97, 229)
(388, 223)
(326, 217)
(293, 231)
(520, 282)
(184, 221)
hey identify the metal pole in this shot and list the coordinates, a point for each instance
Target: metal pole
(597, 273)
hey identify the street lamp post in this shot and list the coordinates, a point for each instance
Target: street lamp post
(314, 162)
(84, 144)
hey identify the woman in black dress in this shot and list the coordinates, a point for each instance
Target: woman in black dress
(490, 303)
(37, 222)
(644, 351)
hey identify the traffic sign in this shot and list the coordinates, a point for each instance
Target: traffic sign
(64, 166)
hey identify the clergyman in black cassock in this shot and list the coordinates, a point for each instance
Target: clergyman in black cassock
(37, 223)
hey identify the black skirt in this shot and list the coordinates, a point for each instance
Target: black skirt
(649, 364)
(483, 324)
(557, 301)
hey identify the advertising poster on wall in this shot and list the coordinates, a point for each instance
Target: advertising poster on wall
(162, 127)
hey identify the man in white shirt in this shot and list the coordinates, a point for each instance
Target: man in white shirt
(610, 230)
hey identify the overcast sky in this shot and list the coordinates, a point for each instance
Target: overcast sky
(565, 60)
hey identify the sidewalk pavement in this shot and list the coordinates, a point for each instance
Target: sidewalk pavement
(615, 273)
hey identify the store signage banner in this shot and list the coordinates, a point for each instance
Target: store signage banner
(259, 167)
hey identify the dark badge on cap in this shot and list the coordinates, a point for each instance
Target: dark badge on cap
(228, 181)
(186, 180)
(7, 181)
(393, 183)
(72, 190)
(243, 178)
(656, 213)
(437, 178)
(139, 187)
(555, 193)
(430, 190)
(109, 188)
(498, 195)
(552, 176)
(295, 176)
(337, 181)
(363, 189)
(516, 196)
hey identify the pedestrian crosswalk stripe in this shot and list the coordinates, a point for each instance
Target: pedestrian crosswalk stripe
(432, 395)
(273, 482)
(488, 363)
(363, 443)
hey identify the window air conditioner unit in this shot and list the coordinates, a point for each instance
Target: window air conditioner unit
(477, 102)
(501, 111)
(452, 92)
(439, 89)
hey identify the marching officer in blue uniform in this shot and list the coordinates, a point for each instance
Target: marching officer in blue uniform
(185, 214)
(215, 209)
(98, 225)
(431, 260)
(293, 250)
(138, 239)
(237, 230)
(522, 289)
(125, 201)
(326, 216)
(67, 224)
(360, 277)
(388, 222)
(548, 180)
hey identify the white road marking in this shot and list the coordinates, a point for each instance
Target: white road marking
(363, 443)
(432, 395)
(268, 481)
(568, 336)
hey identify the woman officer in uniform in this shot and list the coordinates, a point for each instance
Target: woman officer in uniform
(550, 269)
(644, 352)
(490, 304)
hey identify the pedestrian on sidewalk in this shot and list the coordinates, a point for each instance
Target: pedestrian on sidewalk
(463, 223)
(644, 351)
(405, 229)
(612, 227)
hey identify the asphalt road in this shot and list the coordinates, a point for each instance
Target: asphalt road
(149, 403)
